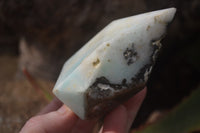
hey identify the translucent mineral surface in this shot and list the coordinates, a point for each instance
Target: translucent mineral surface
(113, 65)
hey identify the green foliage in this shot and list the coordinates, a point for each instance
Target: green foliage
(184, 118)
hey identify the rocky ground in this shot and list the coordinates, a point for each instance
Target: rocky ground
(18, 99)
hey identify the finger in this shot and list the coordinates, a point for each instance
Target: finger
(120, 120)
(116, 121)
(84, 126)
(60, 121)
(133, 105)
(52, 106)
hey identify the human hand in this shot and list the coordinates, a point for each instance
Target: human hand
(58, 118)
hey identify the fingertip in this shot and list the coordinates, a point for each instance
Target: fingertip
(115, 121)
(133, 105)
(64, 110)
(52, 106)
(136, 100)
(143, 91)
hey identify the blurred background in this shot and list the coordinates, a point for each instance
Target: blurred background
(38, 36)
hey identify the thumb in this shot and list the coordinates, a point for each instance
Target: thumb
(60, 121)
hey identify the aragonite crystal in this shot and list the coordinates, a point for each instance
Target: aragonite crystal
(113, 65)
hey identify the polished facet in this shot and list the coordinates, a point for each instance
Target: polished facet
(113, 65)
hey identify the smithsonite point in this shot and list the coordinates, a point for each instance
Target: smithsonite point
(114, 65)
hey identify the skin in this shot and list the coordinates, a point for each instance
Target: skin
(58, 118)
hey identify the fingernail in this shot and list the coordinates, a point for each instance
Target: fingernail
(62, 109)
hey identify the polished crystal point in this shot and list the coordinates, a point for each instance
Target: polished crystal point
(113, 65)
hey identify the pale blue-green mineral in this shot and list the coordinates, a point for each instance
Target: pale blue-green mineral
(113, 65)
